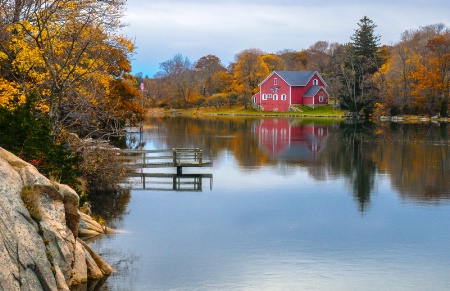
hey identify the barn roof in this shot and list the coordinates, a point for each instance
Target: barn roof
(312, 91)
(296, 78)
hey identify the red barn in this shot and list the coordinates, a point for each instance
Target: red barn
(281, 89)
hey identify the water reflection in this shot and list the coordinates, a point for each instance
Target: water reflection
(169, 182)
(417, 159)
(290, 141)
(415, 156)
(282, 212)
(110, 206)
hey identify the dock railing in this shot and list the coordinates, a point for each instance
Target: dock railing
(176, 157)
(184, 156)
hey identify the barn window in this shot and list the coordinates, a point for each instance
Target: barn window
(320, 98)
(315, 82)
(275, 96)
(283, 96)
(275, 81)
(264, 97)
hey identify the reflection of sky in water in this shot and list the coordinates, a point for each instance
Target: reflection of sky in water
(259, 230)
(276, 228)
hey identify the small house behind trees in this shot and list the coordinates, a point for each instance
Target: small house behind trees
(281, 89)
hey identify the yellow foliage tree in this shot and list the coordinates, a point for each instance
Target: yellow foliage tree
(249, 71)
(68, 52)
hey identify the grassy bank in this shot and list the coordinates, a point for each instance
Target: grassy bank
(239, 110)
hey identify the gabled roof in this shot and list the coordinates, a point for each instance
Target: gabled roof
(295, 78)
(312, 91)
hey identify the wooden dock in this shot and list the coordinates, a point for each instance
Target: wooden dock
(177, 157)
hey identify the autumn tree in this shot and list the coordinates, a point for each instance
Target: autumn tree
(208, 67)
(71, 60)
(249, 71)
(436, 85)
(274, 62)
(412, 81)
(221, 82)
(293, 60)
(181, 80)
(70, 54)
(317, 56)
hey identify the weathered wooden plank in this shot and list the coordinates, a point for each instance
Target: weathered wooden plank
(181, 157)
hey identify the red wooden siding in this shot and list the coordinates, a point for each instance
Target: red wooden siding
(270, 89)
(295, 94)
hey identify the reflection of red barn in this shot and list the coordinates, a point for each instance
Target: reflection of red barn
(281, 89)
(285, 141)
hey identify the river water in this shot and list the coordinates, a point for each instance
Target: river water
(292, 205)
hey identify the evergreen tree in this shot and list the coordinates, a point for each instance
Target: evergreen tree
(27, 133)
(363, 59)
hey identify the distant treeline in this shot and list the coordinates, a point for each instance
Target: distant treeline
(409, 77)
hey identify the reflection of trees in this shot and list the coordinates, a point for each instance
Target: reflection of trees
(213, 135)
(417, 157)
(418, 160)
(110, 205)
(245, 147)
(351, 156)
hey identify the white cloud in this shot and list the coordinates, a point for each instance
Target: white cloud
(224, 28)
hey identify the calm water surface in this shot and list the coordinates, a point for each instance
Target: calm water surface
(293, 205)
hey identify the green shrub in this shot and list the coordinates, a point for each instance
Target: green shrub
(27, 133)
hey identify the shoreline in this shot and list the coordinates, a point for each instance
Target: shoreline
(155, 112)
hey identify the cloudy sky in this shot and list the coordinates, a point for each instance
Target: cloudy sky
(195, 28)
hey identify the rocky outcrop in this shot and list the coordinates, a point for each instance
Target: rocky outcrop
(39, 227)
(90, 229)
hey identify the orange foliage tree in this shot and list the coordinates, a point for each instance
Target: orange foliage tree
(70, 54)
(249, 71)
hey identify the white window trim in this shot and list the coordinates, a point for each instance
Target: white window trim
(264, 97)
(275, 96)
(275, 81)
(283, 97)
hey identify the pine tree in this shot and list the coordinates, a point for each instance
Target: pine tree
(363, 59)
(366, 45)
